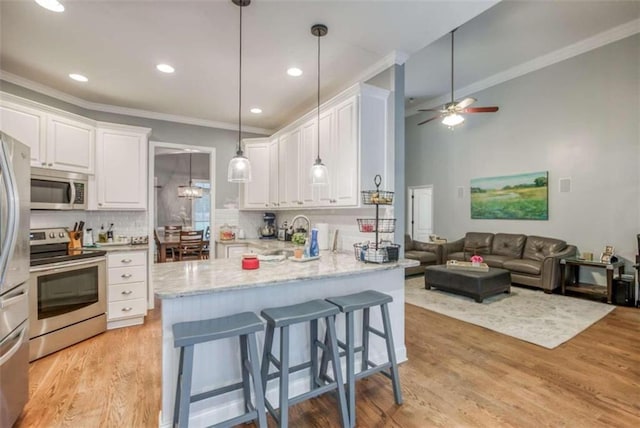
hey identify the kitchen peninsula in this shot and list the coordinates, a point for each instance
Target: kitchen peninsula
(213, 288)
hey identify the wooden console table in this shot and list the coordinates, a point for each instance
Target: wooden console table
(572, 266)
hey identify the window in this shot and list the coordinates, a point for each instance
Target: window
(201, 207)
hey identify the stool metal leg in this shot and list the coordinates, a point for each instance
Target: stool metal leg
(391, 351)
(351, 376)
(244, 358)
(257, 382)
(324, 365)
(284, 376)
(185, 387)
(335, 360)
(313, 334)
(268, 343)
(365, 340)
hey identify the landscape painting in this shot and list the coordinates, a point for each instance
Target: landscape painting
(511, 197)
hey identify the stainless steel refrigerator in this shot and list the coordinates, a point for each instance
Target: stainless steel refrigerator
(14, 276)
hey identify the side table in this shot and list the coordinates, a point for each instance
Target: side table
(570, 267)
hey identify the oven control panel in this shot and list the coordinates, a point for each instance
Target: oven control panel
(54, 235)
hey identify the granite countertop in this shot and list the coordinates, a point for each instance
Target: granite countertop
(173, 280)
(261, 245)
(115, 247)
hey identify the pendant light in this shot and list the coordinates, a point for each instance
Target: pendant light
(190, 191)
(319, 172)
(239, 167)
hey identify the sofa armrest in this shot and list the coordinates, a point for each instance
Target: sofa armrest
(550, 273)
(431, 248)
(452, 247)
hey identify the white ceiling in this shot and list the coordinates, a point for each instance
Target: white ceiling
(118, 43)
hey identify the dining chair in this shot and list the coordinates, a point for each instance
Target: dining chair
(206, 245)
(172, 230)
(170, 253)
(190, 246)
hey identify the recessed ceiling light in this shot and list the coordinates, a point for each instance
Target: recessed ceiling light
(78, 77)
(52, 5)
(256, 110)
(165, 68)
(294, 72)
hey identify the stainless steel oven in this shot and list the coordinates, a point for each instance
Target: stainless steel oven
(58, 190)
(67, 297)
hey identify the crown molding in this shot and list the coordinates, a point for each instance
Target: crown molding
(606, 37)
(106, 108)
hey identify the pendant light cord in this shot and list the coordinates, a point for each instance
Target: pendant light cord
(452, 35)
(318, 160)
(239, 153)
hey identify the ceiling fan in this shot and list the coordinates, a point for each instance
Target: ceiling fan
(452, 110)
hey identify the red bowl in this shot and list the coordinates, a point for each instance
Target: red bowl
(250, 263)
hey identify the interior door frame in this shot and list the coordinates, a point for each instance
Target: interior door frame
(409, 228)
(153, 145)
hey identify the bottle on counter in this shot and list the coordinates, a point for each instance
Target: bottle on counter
(314, 248)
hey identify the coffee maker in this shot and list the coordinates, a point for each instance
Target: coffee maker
(268, 229)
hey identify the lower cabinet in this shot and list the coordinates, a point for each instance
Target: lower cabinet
(227, 251)
(126, 288)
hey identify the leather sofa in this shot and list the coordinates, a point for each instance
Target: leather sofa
(532, 260)
(424, 252)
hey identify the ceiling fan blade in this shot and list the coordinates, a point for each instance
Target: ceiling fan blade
(439, 110)
(480, 110)
(429, 120)
(465, 103)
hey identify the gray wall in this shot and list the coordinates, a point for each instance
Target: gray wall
(225, 141)
(579, 118)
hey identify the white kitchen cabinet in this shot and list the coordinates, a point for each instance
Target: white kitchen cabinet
(126, 288)
(28, 126)
(121, 170)
(308, 153)
(344, 162)
(288, 170)
(255, 194)
(273, 173)
(70, 145)
(328, 153)
(230, 250)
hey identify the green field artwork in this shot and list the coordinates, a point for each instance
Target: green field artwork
(512, 197)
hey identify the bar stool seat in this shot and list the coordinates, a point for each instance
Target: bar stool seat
(283, 317)
(188, 334)
(364, 301)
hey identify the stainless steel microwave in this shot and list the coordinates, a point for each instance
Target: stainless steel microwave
(58, 190)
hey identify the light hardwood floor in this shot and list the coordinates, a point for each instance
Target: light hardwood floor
(458, 375)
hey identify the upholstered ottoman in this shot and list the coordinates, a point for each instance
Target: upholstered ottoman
(468, 283)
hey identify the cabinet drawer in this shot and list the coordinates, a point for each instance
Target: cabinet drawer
(122, 275)
(134, 258)
(131, 291)
(127, 309)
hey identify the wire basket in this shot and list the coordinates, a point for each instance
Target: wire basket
(384, 225)
(377, 197)
(393, 252)
(368, 253)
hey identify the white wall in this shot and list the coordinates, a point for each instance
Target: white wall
(579, 118)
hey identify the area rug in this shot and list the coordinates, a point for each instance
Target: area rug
(546, 320)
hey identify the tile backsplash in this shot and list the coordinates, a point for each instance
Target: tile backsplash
(129, 223)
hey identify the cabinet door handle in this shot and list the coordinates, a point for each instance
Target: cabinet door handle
(127, 309)
(44, 164)
(126, 275)
(50, 164)
(127, 292)
(99, 204)
(125, 261)
(266, 205)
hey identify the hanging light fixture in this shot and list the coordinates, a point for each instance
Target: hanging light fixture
(319, 172)
(190, 191)
(239, 167)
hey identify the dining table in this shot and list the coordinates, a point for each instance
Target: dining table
(169, 241)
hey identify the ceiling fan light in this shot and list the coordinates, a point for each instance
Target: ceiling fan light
(319, 174)
(239, 169)
(452, 120)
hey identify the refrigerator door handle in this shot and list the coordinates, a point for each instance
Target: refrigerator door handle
(13, 206)
(18, 337)
(7, 301)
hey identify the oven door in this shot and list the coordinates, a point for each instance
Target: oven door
(66, 293)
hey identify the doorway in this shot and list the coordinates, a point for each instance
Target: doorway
(170, 166)
(420, 212)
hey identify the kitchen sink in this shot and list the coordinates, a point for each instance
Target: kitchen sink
(286, 253)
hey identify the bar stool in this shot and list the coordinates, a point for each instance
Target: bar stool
(187, 334)
(349, 304)
(283, 317)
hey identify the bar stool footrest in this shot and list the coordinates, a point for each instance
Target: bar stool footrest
(247, 417)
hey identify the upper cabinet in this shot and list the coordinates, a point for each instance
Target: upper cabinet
(256, 193)
(121, 170)
(65, 143)
(353, 146)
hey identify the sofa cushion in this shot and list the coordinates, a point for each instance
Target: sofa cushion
(421, 256)
(528, 266)
(495, 260)
(408, 242)
(460, 256)
(478, 243)
(539, 247)
(508, 244)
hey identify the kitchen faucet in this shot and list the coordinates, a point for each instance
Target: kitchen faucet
(303, 217)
